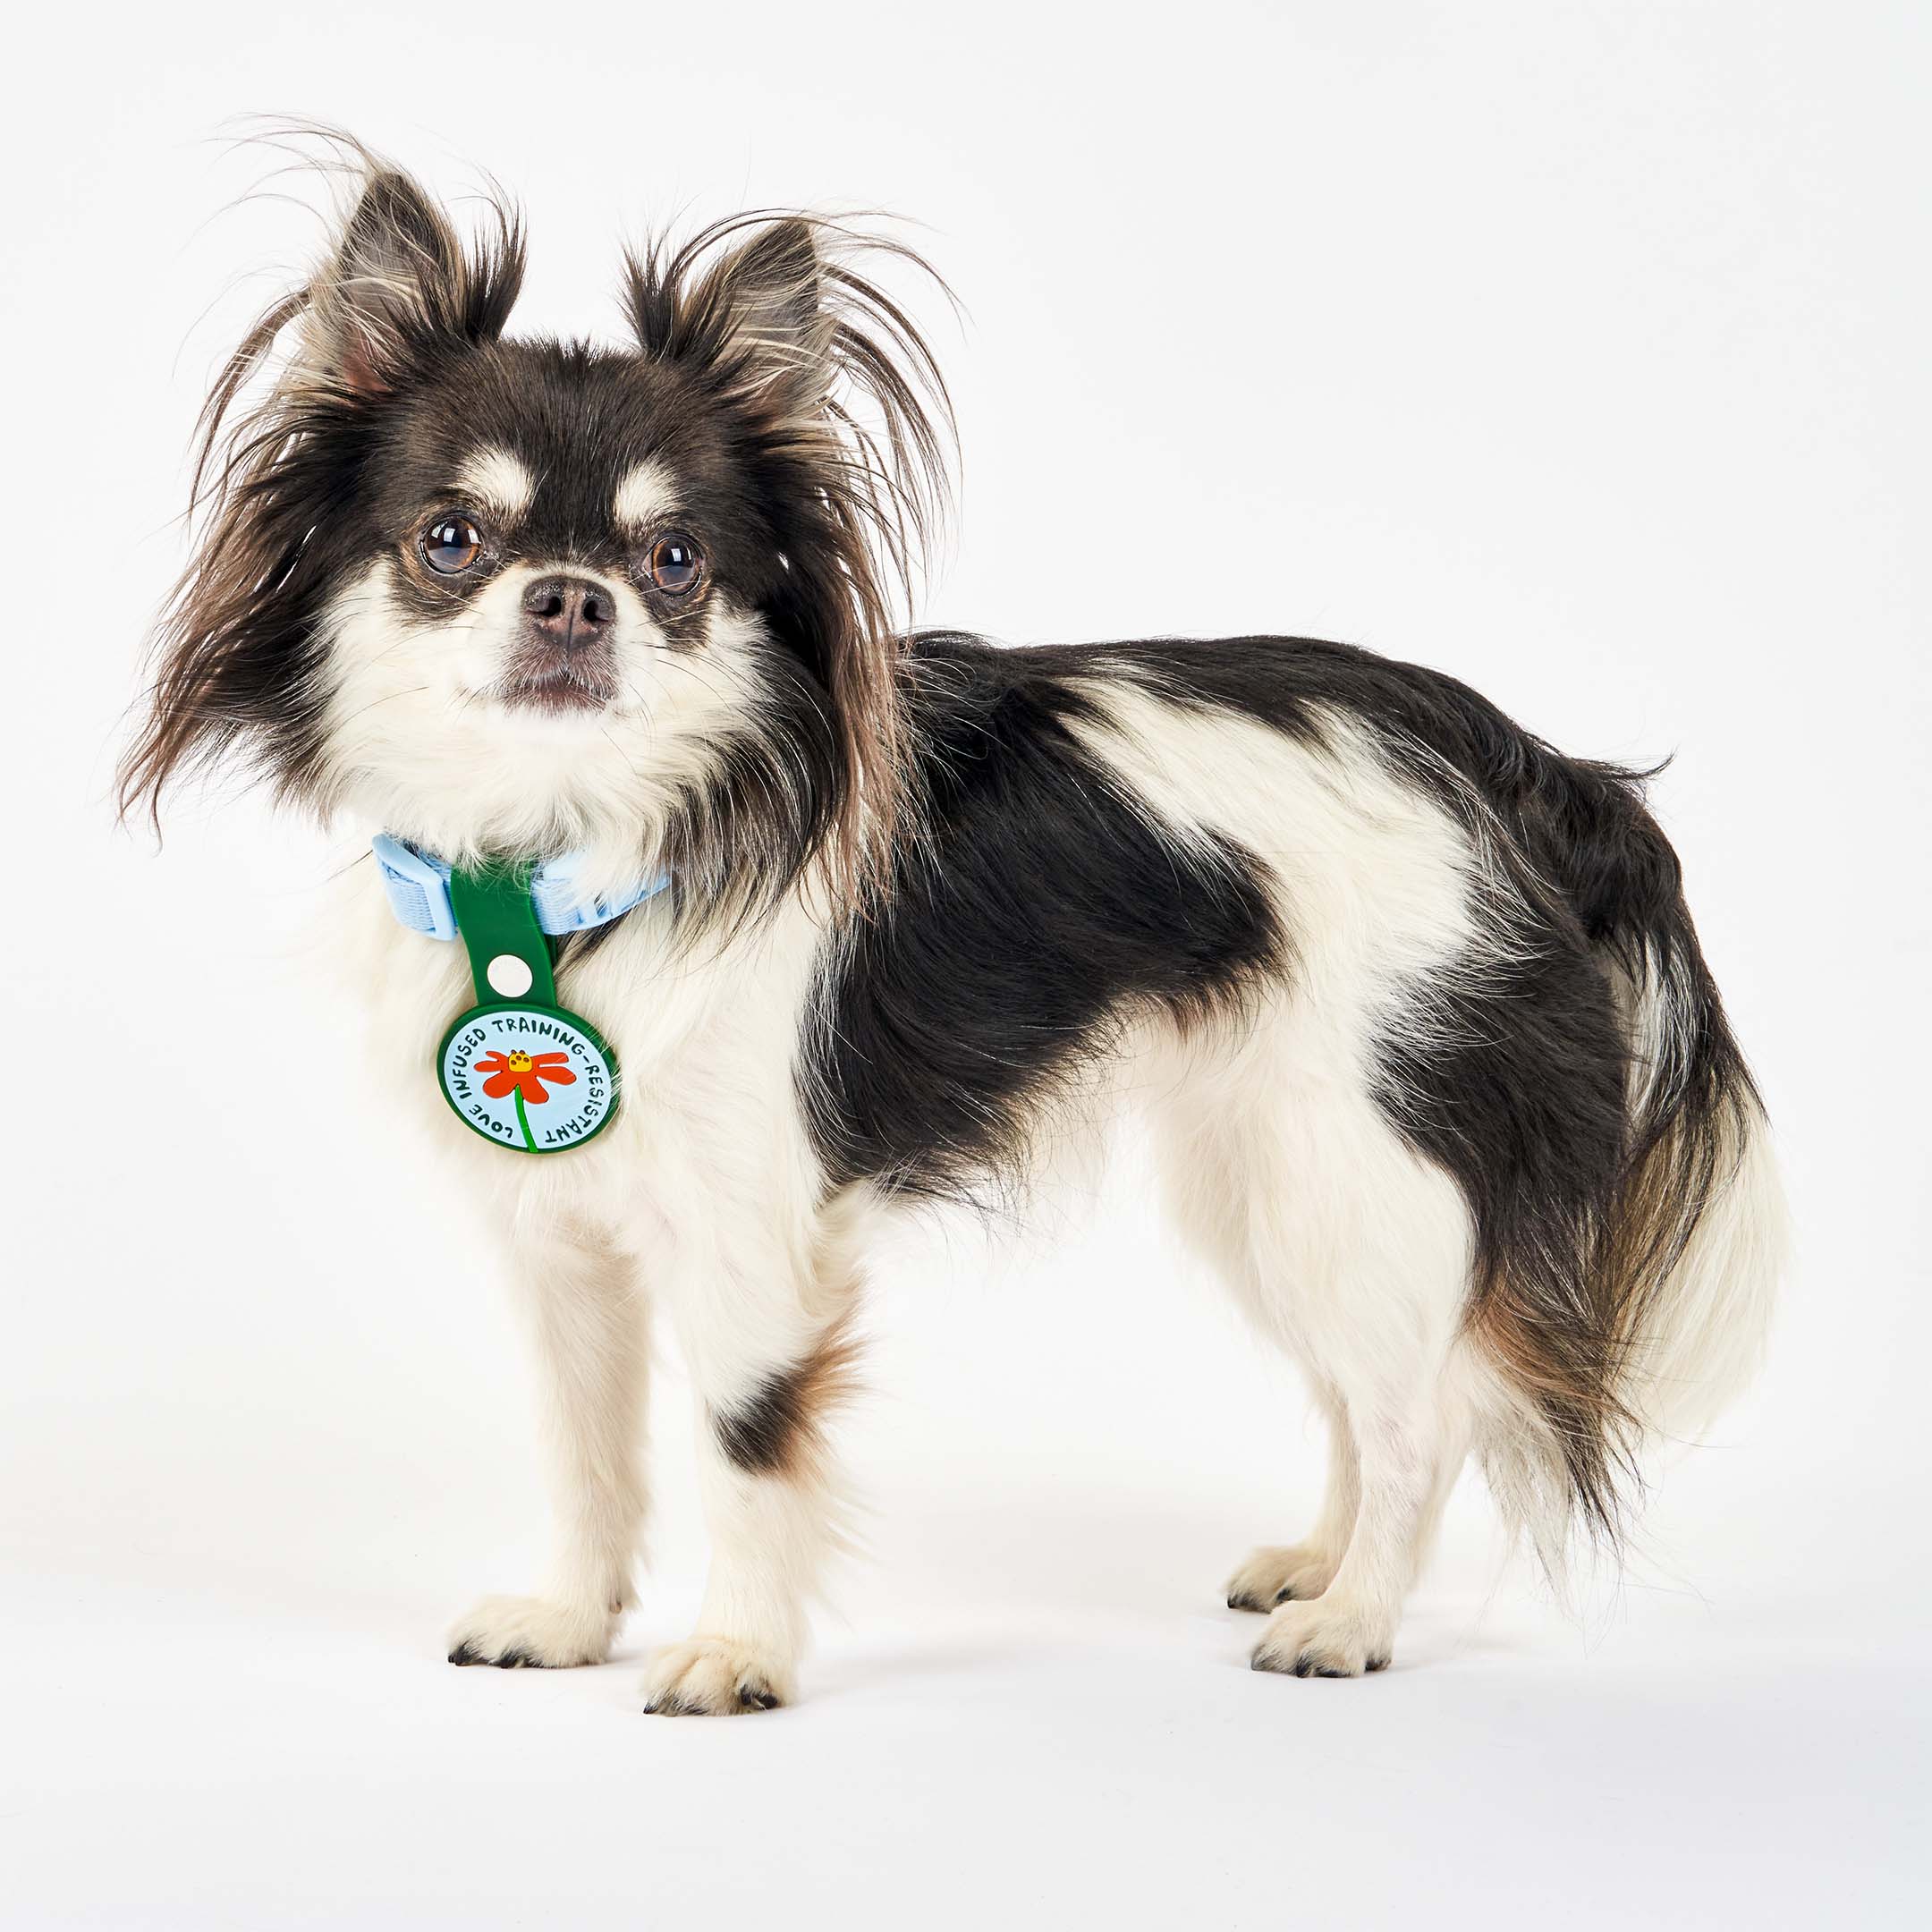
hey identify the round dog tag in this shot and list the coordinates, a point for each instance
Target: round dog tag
(518, 1068)
(537, 1079)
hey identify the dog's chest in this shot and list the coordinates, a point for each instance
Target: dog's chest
(707, 1040)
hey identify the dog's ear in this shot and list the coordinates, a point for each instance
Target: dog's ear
(755, 318)
(397, 294)
(400, 288)
(771, 295)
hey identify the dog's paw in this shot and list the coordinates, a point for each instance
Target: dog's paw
(714, 1677)
(532, 1633)
(1325, 1638)
(1280, 1574)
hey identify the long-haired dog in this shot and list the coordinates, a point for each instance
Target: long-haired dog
(1438, 1078)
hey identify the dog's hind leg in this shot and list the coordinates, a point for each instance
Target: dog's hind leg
(1293, 1573)
(1411, 1448)
(1351, 1253)
(1377, 1309)
(592, 1340)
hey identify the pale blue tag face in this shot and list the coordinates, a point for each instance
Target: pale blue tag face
(533, 1078)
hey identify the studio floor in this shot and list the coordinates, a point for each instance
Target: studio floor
(1030, 1711)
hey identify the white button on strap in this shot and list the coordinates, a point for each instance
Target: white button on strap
(509, 975)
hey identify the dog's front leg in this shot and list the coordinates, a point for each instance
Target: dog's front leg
(592, 1342)
(770, 1356)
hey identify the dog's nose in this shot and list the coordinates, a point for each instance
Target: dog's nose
(567, 611)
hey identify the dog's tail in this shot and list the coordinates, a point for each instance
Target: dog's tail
(1696, 1244)
(1680, 1260)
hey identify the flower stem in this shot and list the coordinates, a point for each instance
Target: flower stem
(522, 1121)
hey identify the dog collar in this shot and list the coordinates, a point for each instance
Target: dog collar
(418, 884)
(517, 1068)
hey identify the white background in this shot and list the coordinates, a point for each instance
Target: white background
(1581, 351)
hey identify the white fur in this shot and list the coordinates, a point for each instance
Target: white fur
(703, 1195)
(496, 480)
(645, 494)
(418, 744)
(1707, 1339)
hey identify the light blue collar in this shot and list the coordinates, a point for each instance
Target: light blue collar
(418, 885)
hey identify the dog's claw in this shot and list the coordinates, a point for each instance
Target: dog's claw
(513, 1658)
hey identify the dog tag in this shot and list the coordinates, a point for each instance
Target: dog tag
(522, 1070)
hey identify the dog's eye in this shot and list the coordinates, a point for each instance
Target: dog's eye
(676, 566)
(451, 544)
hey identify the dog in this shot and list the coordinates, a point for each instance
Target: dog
(858, 921)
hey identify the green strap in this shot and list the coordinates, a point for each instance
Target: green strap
(494, 917)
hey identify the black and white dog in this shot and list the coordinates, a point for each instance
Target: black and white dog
(1439, 1081)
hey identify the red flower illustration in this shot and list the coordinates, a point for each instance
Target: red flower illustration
(524, 1075)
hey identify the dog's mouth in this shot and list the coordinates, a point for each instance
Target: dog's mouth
(555, 689)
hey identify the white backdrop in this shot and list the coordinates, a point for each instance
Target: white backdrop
(1579, 350)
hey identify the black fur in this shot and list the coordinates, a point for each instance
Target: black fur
(760, 1438)
(1035, 908)
(1039, 908)
(778, 1429)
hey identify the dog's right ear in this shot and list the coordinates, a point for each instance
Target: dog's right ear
(397, 296)
(400, 289)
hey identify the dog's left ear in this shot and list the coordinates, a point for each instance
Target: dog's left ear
(754, 319)
(773, 288)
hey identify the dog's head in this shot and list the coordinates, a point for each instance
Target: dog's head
(528, 597)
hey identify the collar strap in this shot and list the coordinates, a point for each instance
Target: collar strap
(418, 884)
